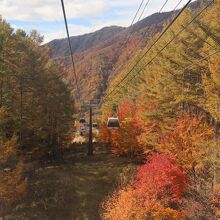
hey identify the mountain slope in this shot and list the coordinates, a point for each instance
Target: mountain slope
(83, 42)
(100, 56)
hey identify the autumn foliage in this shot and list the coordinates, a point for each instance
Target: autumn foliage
(124, 141)
(156, 193)
(167, 174)
(185, 156)
(190, 142)
(215, 199)
(11, 184)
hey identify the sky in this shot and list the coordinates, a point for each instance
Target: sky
(84, 16)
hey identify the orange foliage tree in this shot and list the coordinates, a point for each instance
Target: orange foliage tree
(137, 134)
(215, 199)
(151, 131)
(124, 140)
(191, 142)
(11, 185)
(104, 134)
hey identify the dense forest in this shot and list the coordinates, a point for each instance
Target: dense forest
(168, 106)
(162, 84)
(36, 106)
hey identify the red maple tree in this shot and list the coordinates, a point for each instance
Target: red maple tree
(161, 178)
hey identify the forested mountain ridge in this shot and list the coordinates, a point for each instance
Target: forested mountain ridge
(83, 42)
(101, 55)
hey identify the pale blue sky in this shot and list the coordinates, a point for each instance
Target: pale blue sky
(84, 16)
